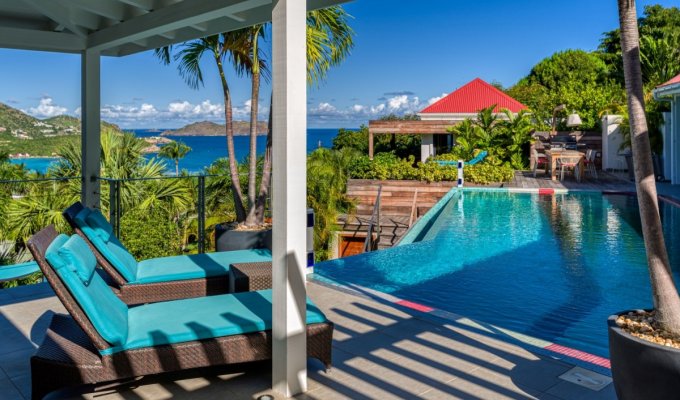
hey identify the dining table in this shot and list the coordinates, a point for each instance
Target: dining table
(553, 155)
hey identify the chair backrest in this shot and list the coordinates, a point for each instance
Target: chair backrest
(38, 245)
(94, 226)
(478, 158)
(70, 216)
(593, 156)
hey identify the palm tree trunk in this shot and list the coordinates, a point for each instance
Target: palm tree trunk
(176, 167)
(266, 169)
(233, 166)
(664, 292)
(251, 219)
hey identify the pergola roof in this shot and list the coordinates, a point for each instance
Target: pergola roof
(123, 27)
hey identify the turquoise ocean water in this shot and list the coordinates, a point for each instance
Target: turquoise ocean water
(205, 149)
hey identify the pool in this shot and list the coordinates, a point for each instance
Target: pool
(552, 267)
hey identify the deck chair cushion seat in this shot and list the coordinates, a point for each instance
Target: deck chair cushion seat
(201, 318)
(108, 313)
(171, 322)
(195, 266)
(164, 269)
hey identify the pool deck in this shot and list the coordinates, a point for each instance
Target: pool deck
(381, 351)
(606, 181)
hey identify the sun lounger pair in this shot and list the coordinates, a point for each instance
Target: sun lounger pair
(158, 279)
(106, 340)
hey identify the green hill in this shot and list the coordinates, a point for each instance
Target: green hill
(22, 133)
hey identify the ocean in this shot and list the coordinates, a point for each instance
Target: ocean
(204, 149)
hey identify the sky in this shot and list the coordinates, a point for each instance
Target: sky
(407, 55)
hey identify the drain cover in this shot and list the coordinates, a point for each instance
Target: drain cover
(583, 377)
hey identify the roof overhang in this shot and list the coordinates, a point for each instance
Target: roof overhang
(124, 27)
(666, 92)
(400, 127)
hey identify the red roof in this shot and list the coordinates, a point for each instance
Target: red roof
(473, 97)
(671, 82)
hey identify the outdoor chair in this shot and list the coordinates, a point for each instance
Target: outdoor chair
(540, 160)
(104, 340)
(156, 279)
(569, 163)
(590, 162)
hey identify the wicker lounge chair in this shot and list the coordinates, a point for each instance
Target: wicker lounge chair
(158, 279)
(103, 340)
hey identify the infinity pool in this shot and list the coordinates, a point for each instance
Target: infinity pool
(552, 267)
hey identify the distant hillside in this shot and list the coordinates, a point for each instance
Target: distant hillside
(22, 133)
(207, 128)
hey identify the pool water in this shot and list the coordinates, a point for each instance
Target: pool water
(552, 267)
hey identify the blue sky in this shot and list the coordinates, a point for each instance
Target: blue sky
(407, 54)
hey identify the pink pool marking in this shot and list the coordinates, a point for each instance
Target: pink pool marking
(553, 347)
(579, 355)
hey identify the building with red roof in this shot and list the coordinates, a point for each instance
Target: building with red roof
(468, 100)
(670, 92)
(436, 118)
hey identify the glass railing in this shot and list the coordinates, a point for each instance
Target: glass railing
(152, 216)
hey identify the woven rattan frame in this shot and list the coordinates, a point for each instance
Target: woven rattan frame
(69, 353)
(149, 292)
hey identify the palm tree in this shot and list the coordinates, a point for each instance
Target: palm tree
(330, 40)
(664, 292)
(233, 47)
(174, 151)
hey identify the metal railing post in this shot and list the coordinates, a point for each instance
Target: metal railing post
(201, 214)
(113, 208)
(119, 212)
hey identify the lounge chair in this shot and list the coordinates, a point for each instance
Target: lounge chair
(478, 158)
(105, 340)
(156, 279)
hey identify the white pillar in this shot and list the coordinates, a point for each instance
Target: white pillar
(426, 147)
(289, 196)
(90, 127)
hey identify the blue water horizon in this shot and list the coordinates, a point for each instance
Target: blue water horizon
(204, 149)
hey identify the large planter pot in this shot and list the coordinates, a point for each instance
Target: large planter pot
(642, 369)
(227, 239)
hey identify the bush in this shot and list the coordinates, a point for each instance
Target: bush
(388, 166)
(150, 234)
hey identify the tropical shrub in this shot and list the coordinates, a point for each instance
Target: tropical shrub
(327, 174)
(388, 166)
(505, 139)
(150, 233)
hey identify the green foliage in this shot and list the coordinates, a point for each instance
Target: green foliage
(505, 139)
(576, 78)
(174, 151)
(483, 173)
(388, 166)
(400, 145)
(150, 233)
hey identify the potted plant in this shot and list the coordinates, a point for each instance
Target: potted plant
(644, 362)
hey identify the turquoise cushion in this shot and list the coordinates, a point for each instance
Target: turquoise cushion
(80, 258)
(203, 318)
(101, 226)
(195, 266)
(18, 271)
(107, 313)
(112, 249)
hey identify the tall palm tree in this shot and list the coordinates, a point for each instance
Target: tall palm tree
(664, 292)
(174, 151)
(233, 47)
(330, 40)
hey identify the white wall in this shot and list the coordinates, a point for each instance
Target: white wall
(611, 140)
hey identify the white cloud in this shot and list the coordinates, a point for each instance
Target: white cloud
(399, 104)
(435, 99)
(46, 109)
(117, 113)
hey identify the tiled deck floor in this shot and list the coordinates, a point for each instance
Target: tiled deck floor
(380, 352)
